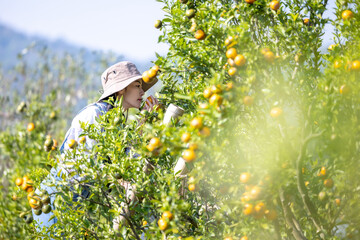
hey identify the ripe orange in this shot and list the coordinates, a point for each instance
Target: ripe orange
(347, 15)
(167, 215)
(276, 112)
(332, 47)
(193, 146)
(232, 71)
(155, 142)
(163, 225)
(35, 202)
(250, 1)
(207, 93)
(229, 86)
(248, 100)
(19, 181)
(150, 147)
(152, 73)
(344, 89)
(244, 238)
(231, 53)
(240, 60)
(337, 64)
(255, 192)
(228, 238)
(264, 50)
(205, 131)
(185, 137)
(216, 89)
(156, 68)
(329, 183)
(337, 201)
(27, 183)
(355, 65)
(306, 21)
(260, 209)
(269, 56)
(231, 62)
(192, 187)
(82, 139)
(200, 35)
(248, 209)
(145, 77)
(189, 155)
(229, 40)
(245, 177)
(274, 5)
(72, 143)
(144, 223)
(215, 99)
(322, 172)
(30, 195)
(30, 127)
(196, 123)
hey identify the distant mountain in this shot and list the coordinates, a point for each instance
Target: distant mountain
(13, 43)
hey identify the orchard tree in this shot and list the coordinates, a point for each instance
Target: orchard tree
(268, 145)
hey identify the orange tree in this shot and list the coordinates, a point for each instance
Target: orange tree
(269, 134)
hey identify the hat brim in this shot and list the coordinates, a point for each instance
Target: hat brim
(122, 85)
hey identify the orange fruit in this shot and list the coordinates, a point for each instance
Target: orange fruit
(248, 209)
(306, 21)
(150, 147)
(35, 202)
(72, 143)
(14, 197)
(30, 195)
(269, 56)
(144, 223)
(229, 86)
(192, 187)
(155, 68)
(276, 112)
(215, 99)
(239, 60)
(231, 53)
(245, 177)
(193, 146)
(55, 144)
(322, 172)
(167, 215)
(344, 89)
(275, 5)
(207, 93)
(355, 65)
(30, 127)
(259, 210)
(248, 100)
(145, 77)
(337, 201)
(82, 139)
(250, 1)
(332, 47)
(264, 50)
(255, 192)
(228, 238)
(337, 64)
(347, 15)
(244, 238)
(216, 89)
(270, 214)
(189, 155)
(158, 24)
(27, 183)
(185, 137)
(232, 71)
(200, 35)
(229, 40)
(155, 142)
(329, 183)
(163, 225)
(196, 123)
(205, 131)
(231, 62)
(152, 73)
(19, 181)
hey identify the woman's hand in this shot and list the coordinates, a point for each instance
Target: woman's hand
(151, 103)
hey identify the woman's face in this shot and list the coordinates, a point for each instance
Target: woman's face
(132, 95)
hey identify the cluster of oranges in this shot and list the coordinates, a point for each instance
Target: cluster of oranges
(235, 60)
(50, 144)
(253, 194)
(163, 222)
(149, 75)
(154, 145)
(349, 66)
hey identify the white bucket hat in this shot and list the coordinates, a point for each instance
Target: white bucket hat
(119, 76)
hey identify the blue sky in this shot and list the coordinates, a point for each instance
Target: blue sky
(126, 27)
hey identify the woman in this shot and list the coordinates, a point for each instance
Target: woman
(121, 79)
